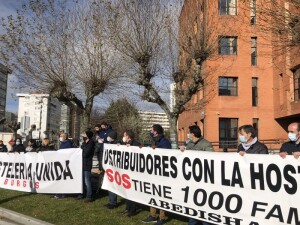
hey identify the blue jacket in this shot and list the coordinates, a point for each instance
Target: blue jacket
(104, 133)
(65, 144)
(163, 142)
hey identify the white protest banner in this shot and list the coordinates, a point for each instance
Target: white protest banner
(221, 188)
(44, 172)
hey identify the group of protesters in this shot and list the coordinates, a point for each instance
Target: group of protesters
(93, 144)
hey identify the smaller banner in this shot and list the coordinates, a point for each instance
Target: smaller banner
(44, 172)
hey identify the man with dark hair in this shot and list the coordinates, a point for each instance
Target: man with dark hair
(198, 143)
(87, 163)
(3, 147)
(101, 139)
(292, 147)
(128, 139)
(158, 138)
(158, 141)
(249, 143)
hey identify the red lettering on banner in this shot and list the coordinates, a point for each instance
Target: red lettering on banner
(123, 179)
(5, 181)
(18, 183)
(37, 185)
(12, 182)
(24, 183)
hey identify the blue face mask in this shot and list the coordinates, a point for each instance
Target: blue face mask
(242, 139)
(151, 134)
(17, 143)
(292, 136)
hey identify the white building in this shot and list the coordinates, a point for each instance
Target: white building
(150, 118)
(172, 96)
(40, 110)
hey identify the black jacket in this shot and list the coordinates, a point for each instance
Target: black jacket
(87, 155)
(18, 148)
(3, 148)
(46, 148)
(256, 148)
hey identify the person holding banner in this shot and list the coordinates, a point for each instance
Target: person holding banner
(198, 143)
(18, 147)
(87, 163)
(249, 143)
(129, 140)
(292, 147)
(3, 147)
(158, 141)
(112, 197)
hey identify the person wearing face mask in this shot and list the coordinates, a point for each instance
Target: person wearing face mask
(249, 143)
(292, 147)
(3, 147)
(31, 146)
(129, 140)
(198, 143)
(158, 141)
(18, 147)
(101, 138)
(64, 141)
(112, 197)
(87, 163)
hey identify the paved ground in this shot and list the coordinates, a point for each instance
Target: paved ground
(8, 217)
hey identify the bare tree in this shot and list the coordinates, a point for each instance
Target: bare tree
(59, 47)
(146, 33)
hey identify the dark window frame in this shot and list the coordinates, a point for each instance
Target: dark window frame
(252, 12)
(253, 51)
(225, 8)
(254, 91)
(228, 46)
(228, 134)
(228, 90)
(296, 78)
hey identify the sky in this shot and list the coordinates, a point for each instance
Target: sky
(9, 7)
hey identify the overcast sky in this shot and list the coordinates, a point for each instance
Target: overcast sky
(9, 7)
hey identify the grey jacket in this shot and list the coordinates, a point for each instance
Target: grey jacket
(201, 145)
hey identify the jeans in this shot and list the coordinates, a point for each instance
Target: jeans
(88, 183)
(130, 206)
(112, 198)
(193, 221)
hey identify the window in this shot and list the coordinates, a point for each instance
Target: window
(227, 7)
(297, 84)
(228, 46)
(228, 86)
(254, 92)
(252, 12)
(228, 132)
(254, 51)
(255, 125)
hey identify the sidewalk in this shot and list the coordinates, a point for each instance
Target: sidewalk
(8, 217)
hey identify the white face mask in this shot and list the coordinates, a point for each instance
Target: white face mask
(100, 141)
(124, 139)
(292, 136)
(61, 139)
(108, 139)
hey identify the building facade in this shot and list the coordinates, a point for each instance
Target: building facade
(70, 120)
(42, 111)
(250, 85)
(4, 71)
(150, 118)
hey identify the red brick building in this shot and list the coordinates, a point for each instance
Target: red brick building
(252, 83)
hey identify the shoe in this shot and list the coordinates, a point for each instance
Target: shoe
(131, 214)
(123, 212)
(111, 206)
(59, 196)
(79, 197)
(87, 200)
(160, 222)
(150, 219)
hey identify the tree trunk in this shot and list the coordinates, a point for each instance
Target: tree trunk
(86, 114)
(173, 132)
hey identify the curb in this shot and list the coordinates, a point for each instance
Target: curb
(20, 218)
